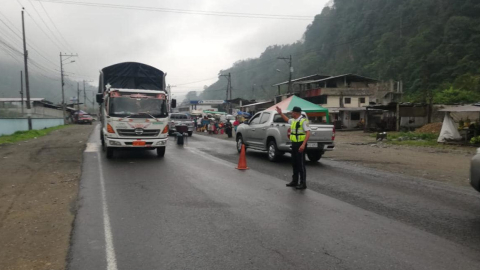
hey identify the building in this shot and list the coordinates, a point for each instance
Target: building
(346, 96)
(40, 108)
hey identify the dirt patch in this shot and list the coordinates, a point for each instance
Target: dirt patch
(435, 128)
(446, 164)
(38, 190)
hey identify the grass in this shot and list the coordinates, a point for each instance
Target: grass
(27, 135)
(412, 139)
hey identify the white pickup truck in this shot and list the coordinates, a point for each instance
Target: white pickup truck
(267, 131)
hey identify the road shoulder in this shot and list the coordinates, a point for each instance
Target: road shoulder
(38, 193)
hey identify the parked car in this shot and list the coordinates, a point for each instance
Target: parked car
(84, 119)
(178, 119)
(267, 131)
(475, 171)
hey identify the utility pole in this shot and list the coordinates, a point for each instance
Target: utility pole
(25, 59)
(289, 61)
(21, 90)
(229, 88)
(93, 101)
(64, 109)
(84, 96)
(78, 97)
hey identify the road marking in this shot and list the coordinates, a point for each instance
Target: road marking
(91, 147)
(109, 248)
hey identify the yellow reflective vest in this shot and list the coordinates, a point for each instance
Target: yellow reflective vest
(297, 133)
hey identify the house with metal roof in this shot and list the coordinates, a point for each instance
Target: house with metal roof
(346, 96)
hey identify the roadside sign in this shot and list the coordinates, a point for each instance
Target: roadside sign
(207, 102)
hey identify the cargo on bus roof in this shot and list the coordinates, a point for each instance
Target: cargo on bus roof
(131, 75)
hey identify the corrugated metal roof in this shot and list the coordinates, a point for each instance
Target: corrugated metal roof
(314, 76)
(258, 103)
(468, 108)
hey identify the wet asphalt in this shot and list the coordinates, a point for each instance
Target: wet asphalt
(193, 210)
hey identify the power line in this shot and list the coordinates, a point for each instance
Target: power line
(38, 25)
(46, 25)
(31, 47)
(198, 81)
(184, 11)
(58, 31)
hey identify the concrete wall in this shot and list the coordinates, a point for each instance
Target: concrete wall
(40, 112)
(412, 122)
(334, 102)
(11, 125)
(348, 122)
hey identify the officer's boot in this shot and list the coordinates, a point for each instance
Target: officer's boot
(303, 182)
(294, 183)
(302, 185)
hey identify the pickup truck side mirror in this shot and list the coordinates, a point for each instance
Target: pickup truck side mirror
(99, 97)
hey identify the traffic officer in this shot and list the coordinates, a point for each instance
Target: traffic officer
(299, 135)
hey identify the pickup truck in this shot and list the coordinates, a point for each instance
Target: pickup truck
(267, 131)
(177, 119)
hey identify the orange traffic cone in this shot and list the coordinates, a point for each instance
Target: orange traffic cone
(242, 161)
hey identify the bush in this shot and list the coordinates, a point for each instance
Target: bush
(475, 140)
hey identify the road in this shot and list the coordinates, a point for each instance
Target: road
(193, 210)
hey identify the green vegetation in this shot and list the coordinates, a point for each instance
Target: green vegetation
(26, 135)
(431, 45)
(475, 140)
(412, 139)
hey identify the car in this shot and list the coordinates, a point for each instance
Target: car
(177, 119)
(84, 119)
(475, 171)
(267, 131)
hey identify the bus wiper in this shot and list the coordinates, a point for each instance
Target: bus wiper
(148, 115)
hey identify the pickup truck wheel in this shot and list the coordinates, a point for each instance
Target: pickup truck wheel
(109, 152)
(190, 133)
(314, 156)
(273, 153)
(161, 152)
(239, 143)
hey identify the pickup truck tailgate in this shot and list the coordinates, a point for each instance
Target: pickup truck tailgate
(322, 133)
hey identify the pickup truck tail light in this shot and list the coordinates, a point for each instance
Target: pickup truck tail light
(165, 129)
(333, 135)
(289, 132)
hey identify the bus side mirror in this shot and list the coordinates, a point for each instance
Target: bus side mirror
(174, 103)
(99, 98)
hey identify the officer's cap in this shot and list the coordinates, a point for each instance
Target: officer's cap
(297, 109)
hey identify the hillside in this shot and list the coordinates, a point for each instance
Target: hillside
(40, 86)
(432, 45)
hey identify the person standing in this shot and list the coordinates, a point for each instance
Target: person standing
(228, 129)
(236, 123)
(299, 135)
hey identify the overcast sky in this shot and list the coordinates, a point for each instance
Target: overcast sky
(189, 47)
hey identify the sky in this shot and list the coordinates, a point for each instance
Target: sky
(189, 47)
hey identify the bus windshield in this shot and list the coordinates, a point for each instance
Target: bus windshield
(143, 107)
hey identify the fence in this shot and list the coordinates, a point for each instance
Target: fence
(11, 125)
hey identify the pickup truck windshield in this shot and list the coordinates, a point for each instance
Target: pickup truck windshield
(137, 107)
(179, 116)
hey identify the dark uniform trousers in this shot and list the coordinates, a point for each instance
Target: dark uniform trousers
(298, 164)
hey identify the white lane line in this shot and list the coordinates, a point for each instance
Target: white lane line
(91, 147)
(109, 248)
